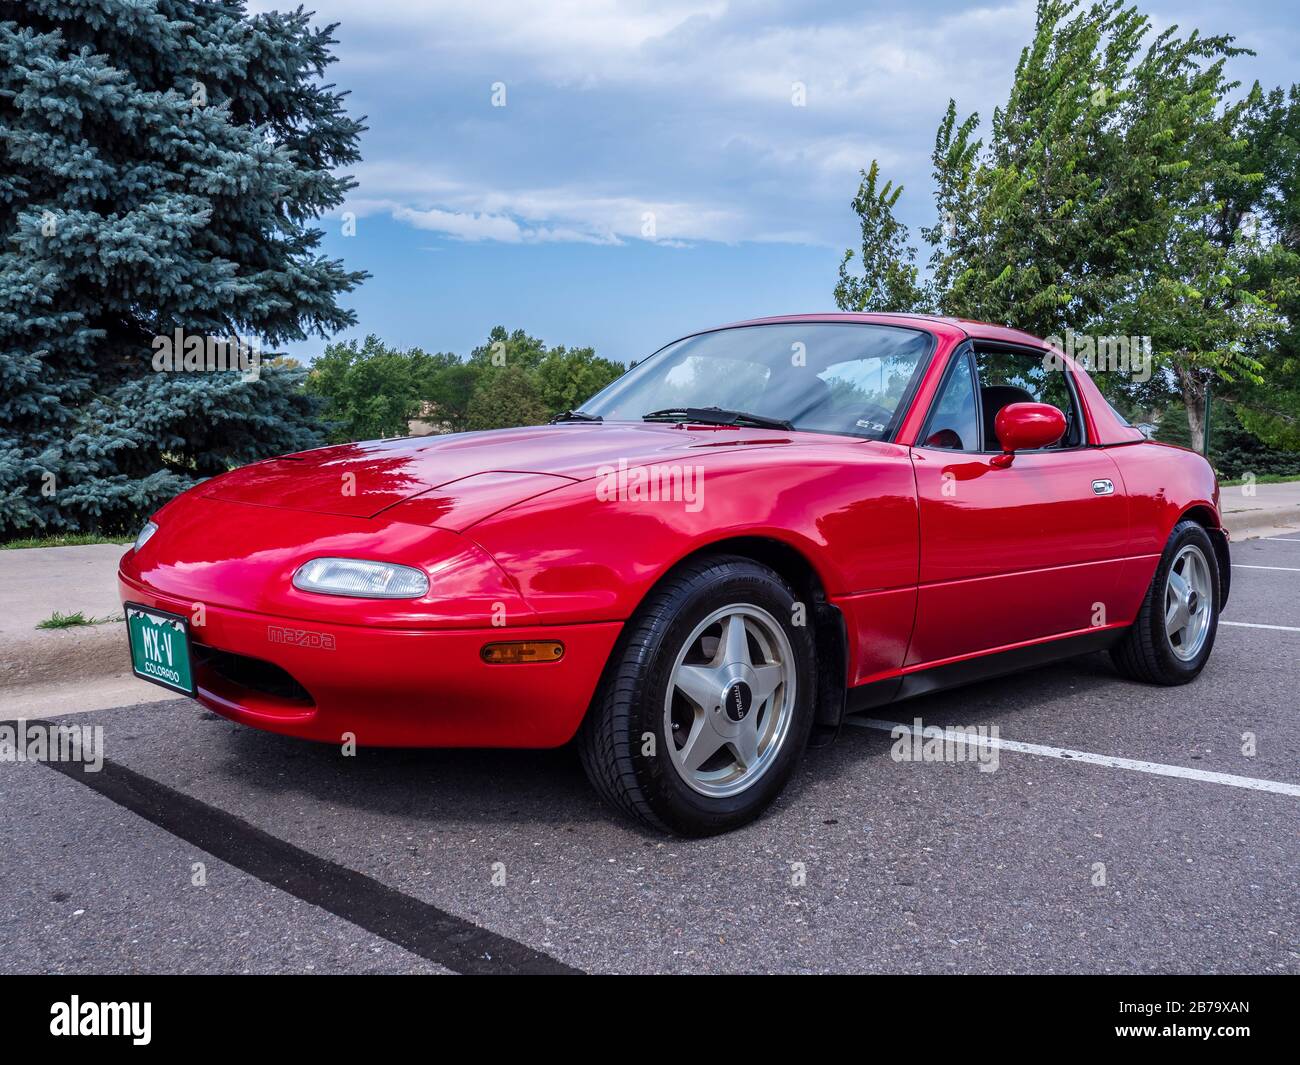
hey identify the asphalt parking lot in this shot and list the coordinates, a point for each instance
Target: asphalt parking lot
(207, 847)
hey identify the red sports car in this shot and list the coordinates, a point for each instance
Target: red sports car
(754, 531)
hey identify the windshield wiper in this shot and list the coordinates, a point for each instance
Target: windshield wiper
(716, 416)
(576, 416)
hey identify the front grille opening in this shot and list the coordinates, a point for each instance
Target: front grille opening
(252, 673)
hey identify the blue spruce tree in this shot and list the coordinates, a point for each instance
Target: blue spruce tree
(161, 166)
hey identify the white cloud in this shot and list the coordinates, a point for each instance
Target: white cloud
(462, 226)
(619, 109)
(411, 194)
(718, 49)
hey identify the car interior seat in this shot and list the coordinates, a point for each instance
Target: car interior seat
(992, 399)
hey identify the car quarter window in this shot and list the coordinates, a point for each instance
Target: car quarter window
(954, 420)
(1009, 376)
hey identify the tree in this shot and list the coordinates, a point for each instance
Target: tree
(163, 164)
(1108, 201)
(1271, 410)
(567, 379)
(513, 379)
(369, 391)
(448, 391)
(541, 381)
(508, 399)
(888, 281)
(502, 348)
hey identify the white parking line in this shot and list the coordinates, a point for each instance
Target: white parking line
(1155, 768)
(1281, 540)
(1284, 569)
(1256, 625)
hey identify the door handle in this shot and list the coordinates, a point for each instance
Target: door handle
(1103, 487)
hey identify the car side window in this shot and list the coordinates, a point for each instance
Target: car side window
(1007, 377)
(954, 419)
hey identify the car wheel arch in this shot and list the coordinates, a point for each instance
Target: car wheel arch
(830, 632)
(1206, 517)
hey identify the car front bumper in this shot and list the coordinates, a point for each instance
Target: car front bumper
(387, 687)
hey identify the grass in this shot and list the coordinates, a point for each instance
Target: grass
(66, 540)
(1263, 478)
(60, 620)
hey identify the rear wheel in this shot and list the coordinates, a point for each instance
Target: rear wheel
(1171, 640)
(708, 702)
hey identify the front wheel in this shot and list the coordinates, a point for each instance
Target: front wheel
(708, 701)
(1171, 640)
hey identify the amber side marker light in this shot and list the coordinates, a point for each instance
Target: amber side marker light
(522, 651)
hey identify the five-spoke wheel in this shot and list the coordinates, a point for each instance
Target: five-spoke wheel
(708, 701)
(1189, 602)
(1171, 638)
(730, 701)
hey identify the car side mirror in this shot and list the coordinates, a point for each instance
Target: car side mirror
(1026, 427)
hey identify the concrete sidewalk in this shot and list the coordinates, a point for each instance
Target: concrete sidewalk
(51, 671)
(1267, 510)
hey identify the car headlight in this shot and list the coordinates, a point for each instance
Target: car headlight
(365, 580)
(149, 529)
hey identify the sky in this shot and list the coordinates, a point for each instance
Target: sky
(618, 174)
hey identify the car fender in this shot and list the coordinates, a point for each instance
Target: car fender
(848, 510)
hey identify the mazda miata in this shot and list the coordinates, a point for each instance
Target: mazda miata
(753, 532)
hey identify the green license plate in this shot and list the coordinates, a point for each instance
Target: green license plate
(160, 647)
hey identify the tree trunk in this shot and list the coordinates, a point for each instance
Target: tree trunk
(1194, 399)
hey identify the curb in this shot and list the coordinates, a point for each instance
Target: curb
(80, 653)
(75, 697)
(1247, 524)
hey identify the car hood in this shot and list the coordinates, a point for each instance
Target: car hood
(466, 476)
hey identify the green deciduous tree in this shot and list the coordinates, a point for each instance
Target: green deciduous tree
(541, 381)
(568, 378)
(370, 390)
(1109, 201)
(1271, 408)
(512, 379)
(163, 162)
(888, 280)
(507, 397)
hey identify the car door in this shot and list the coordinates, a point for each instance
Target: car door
(1013, 554)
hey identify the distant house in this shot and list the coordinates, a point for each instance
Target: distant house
(426, 422)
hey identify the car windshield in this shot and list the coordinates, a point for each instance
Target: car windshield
(819, 377)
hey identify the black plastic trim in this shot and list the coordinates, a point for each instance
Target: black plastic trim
(985, 667)
(1223, 555)
(964, 350)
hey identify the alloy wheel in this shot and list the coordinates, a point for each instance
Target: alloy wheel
(730, 700)
(1189, 602)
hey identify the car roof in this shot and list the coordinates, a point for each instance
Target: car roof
(965, 326)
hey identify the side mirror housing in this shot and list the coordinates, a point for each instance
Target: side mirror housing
(1026, 427)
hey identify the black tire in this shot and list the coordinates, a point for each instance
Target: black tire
(1146, 652)
(630, 701)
